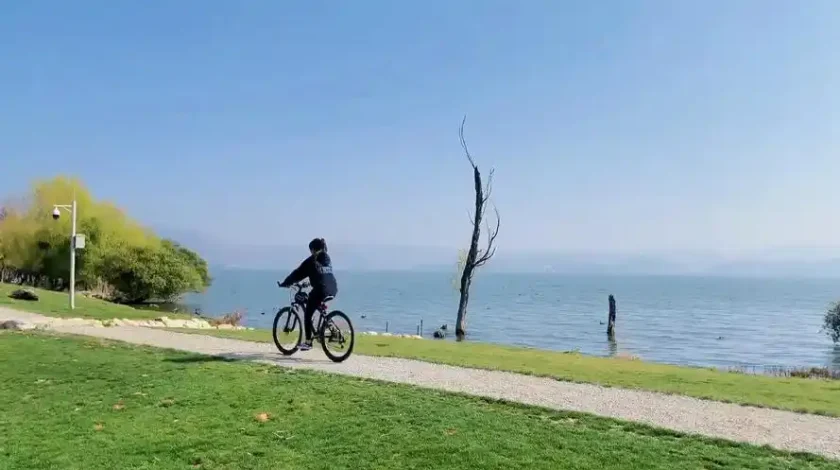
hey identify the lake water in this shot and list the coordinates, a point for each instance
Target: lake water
(716, 322)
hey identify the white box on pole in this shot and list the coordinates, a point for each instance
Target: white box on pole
(79, 242)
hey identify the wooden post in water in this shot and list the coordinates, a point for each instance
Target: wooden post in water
(611, 318)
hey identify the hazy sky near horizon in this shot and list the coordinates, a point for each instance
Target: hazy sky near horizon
(617, 126)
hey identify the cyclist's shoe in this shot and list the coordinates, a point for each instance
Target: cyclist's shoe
(305, 346)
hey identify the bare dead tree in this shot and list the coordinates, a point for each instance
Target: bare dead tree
(476, 257)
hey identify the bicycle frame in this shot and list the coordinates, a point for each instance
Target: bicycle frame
(299, 297)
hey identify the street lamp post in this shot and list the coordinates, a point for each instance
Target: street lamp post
(56, 214)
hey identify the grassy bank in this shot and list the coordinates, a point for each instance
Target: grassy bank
(82, 403)
(56, 304)
(795, 394)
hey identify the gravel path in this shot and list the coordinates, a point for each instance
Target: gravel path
(779, 429)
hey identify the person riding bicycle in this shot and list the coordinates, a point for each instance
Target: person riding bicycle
(318, 268)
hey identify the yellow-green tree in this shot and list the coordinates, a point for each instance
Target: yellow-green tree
(120, 254)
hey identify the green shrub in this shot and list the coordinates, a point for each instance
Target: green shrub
(120, 257)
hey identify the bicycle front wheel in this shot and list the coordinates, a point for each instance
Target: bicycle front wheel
(337, 336)
(287, 331)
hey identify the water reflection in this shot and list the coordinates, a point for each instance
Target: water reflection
(613, 346)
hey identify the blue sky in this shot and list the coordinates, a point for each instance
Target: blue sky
(613, 126)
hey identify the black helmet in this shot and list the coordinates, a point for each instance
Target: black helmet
(318, 244)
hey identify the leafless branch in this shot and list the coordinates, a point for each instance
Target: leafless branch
(492, 233)
(488, 187)
(464, 143)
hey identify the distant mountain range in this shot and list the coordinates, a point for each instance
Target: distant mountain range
(788, 262)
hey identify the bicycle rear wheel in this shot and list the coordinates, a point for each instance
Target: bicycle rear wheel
(337, 336)
(287, 331)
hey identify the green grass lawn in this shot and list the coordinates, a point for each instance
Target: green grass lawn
(57, 304)
(75, 403)
(795, 394)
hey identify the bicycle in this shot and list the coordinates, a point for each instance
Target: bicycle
(327, 329)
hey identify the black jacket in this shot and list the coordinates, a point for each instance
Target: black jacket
(318, 269)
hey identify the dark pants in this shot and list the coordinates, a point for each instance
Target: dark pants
(315, 300)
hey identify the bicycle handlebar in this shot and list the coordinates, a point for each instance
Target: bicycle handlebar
(300, 285)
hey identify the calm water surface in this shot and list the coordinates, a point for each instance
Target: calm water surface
(682, 320)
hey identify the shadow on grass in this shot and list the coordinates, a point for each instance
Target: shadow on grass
(199, 358)
(247, 357)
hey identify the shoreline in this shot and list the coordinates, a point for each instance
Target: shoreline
(807, 395)
(774, 371)
(159, 311)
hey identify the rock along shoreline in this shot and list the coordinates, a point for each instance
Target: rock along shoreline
(162, 322)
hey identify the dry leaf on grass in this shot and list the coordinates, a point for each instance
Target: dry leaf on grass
(98, 427)
(119, 406)
(166, 402)
(262, 417)
(450, 432)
